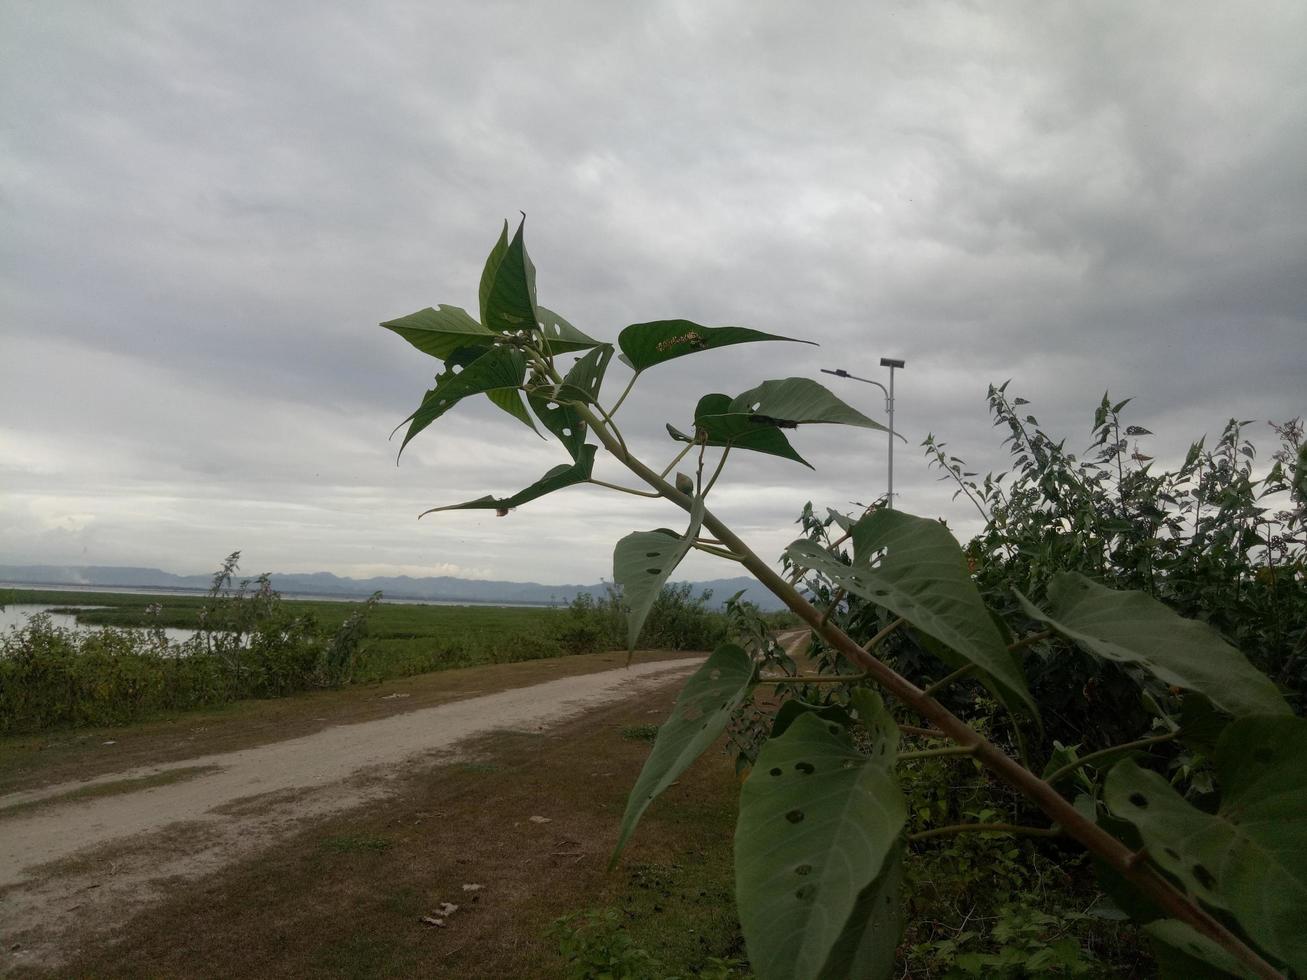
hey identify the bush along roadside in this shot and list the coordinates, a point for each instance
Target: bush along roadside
(247, 647)
(824, 844)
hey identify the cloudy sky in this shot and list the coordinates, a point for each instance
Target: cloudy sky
(205, 210)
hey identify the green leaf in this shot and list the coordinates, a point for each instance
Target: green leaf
(562, 420)
(584, 379)
(646, 344)
(442, 331)
(494, 368)
(789, 402)
(508, 286)
(1250, 857)
(1133, 628)
(736, 431)
(702, 711)
(565, 475)
(1183, 953)
(560, 337)
(922, 576)
(642, 563)
(819, 827)
(510, 400)
(792, 709)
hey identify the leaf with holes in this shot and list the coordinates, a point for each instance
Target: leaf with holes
(789, 402)
(562, 420)
(922, 576)
(1250, 857)
(736, 431)
(646, 344)
(442, 331)
(508, 286)
(820, 824)
(702, 711)
(584, 379)
(495, 368)
(566, 475)
(1133, 628)
(1183, 953)
(641, 564)
(560, 337)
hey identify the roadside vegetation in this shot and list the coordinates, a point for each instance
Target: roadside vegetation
(252, 643)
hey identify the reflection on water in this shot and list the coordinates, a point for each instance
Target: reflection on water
(16, 615)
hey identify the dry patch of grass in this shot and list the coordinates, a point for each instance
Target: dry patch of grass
(357, 895)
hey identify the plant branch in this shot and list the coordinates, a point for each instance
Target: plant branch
(932, 753)
(679, 456)
(1026, 641)
(721, 464)
(1093, 757)
(944, 682)
(986, 828)
(923, 732)
(816, 679)
(710, 550)
(1077, 826)
(625, 391)
(880, 637)
(614, 486)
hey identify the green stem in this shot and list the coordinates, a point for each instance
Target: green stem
(1092, 757)
(922, 732)
(679, 456)
(719, 552)
(1026, 641)
(721, 464)
(880, 637)
(614, 486)
(625, 391)
(944, 682)
(816, 679)
(986, 828)
(933, 753)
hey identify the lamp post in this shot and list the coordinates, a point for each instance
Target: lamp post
(890, 363)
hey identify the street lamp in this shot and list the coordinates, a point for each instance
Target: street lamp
(890, 363)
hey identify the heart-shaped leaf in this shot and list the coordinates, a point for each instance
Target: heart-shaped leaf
(788, 402)
(737, 431)
(702, 711)
(922, 576)
(565, 475)
(1250, 857)
(818, 835)
(642, 563)
(1133, 628)
(646, 344)
(441, 331)
(494, 368)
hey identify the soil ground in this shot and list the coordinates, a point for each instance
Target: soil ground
(332, 872)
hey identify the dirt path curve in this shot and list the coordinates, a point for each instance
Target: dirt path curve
(54, 853)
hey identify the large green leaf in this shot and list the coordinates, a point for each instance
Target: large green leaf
(1183, 953)
(646, 344)
(565, 475)
(441, 331)
(562, 420)
(702, 711)
(584, 379)
(922, 576)
(510, 400)
(1250, 857)
(818, 833)
(559, 336)
(788, 402)
(642, 563)
(1133, 628)
(495, 368)
(508, 286)
(718, 427)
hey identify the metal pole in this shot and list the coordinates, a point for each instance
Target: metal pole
(890, 406)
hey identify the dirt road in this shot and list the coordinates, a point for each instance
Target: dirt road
(181, 819)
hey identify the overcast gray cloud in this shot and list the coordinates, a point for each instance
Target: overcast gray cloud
(208, 207)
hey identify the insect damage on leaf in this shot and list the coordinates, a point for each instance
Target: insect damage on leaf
(691, 337)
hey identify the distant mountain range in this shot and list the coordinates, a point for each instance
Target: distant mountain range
(440, 588)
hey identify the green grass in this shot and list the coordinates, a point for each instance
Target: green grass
(640, 733)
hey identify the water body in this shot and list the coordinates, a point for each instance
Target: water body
(145, 590)
(16, 615)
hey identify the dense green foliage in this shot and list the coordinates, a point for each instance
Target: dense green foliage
(1082, 576)
(254, 644)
